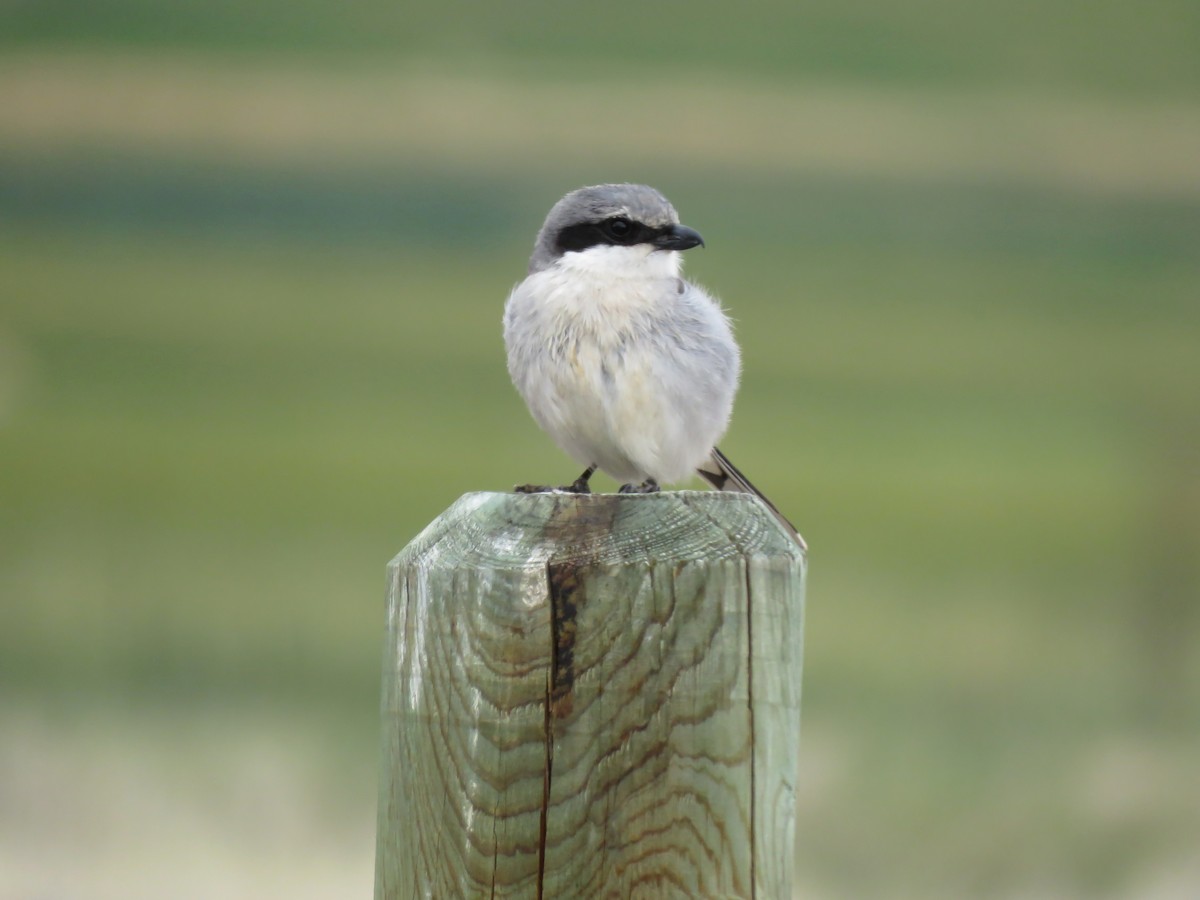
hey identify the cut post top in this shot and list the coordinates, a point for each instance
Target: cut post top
(510, 529)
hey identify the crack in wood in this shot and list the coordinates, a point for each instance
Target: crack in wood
(566, 591)
(564, 583)
(547, 773)
(750, 711)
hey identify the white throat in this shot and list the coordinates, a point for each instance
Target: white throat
(609, 262)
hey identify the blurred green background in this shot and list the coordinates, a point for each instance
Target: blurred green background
(252, 265)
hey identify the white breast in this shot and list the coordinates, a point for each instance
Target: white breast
(623, 364)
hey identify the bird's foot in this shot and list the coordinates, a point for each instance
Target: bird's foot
(578, 486)
(649, 486)
(533, 489)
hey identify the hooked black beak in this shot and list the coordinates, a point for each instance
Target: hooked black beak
(678, 237)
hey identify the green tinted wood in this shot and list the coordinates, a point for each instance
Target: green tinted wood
(592, 696)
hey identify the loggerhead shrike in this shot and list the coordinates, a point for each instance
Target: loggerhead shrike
(629, 368)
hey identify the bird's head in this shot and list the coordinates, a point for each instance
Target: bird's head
(613, 223)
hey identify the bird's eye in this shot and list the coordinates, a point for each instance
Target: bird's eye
(618, 228)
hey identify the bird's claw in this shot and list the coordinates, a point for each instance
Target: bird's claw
(533, 489)
(649, 486)
(575, 487)
(578, 486)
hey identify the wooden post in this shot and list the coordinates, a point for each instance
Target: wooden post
(592, 696)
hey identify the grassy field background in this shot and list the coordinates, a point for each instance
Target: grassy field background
(252, 264)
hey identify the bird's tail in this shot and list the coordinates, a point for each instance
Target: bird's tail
(718, 471)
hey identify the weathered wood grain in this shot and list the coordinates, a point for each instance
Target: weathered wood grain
(592, 696)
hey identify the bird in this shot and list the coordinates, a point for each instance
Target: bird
(629, 368)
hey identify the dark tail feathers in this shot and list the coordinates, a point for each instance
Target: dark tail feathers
(725, 476)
